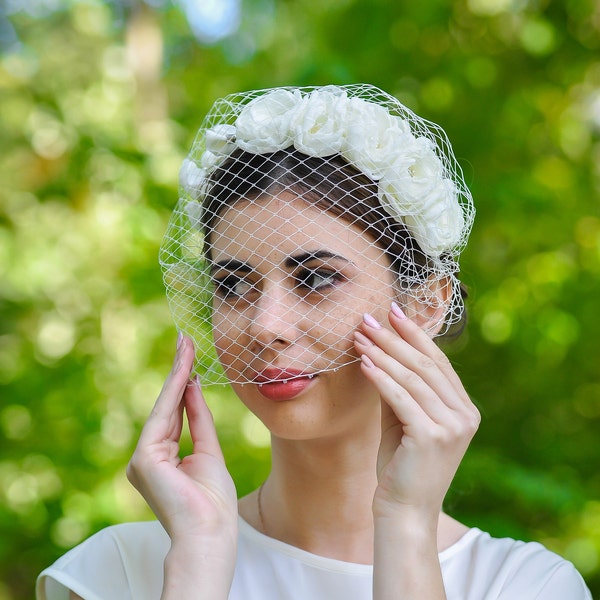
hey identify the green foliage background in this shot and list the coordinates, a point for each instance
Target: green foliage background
(99, 103)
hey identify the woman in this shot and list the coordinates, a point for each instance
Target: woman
(314, 249)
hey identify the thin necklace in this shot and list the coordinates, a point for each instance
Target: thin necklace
(260, 512)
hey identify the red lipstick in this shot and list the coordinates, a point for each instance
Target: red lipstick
(282, 384)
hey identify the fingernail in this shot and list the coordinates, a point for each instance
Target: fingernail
(362, 339)
(398, 311)
(370, 321)
(179, 339)
(367, 361)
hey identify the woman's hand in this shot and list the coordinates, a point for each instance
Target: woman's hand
(427, 422)
(193, 497)
(428, 419)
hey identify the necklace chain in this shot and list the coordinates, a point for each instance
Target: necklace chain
(260, 511)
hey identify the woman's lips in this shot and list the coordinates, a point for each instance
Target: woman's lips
(282, 384)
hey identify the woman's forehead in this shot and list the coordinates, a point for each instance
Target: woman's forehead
(287, 224)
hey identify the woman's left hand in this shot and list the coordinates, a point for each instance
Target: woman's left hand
(428, 419)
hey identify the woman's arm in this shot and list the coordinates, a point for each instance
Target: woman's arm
(194, 498)
(428, 421)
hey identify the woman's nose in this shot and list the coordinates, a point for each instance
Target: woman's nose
(275, 316)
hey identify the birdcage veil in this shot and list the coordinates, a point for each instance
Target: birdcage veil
(353, 151)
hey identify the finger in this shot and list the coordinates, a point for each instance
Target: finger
(422, 342)
(201, 422)
(404, 406)
(403, 418)
(165, 420)
(392, 431)
(413, 368)
(425, 382)
(411, 383)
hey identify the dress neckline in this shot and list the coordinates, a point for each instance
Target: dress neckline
(256, 537)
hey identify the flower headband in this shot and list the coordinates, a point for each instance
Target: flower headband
(417, 184)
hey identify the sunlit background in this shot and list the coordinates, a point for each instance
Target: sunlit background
(99, 102)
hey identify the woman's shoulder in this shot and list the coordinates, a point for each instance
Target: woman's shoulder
(511, 568)
(109, 563)
(481, 544)
(139, 539)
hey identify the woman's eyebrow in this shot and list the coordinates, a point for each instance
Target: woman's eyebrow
(234, 265)
(299, 259)
(230, 264)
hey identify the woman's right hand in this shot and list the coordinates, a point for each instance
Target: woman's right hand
(194, 497)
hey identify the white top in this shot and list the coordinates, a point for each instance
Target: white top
(125, 562)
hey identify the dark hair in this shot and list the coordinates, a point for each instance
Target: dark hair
(329, 183)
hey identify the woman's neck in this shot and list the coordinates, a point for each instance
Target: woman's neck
(318, 497)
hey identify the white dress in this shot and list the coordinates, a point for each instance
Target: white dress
(125, 562)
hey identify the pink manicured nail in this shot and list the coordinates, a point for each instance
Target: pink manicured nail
(398, 311)
(370, 321)
(179, 339)
(367, 361)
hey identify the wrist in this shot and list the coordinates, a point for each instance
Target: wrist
(417, 527)
(413, 526)
(398, 512)
(198, 570)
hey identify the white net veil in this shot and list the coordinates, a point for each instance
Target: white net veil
(302, 208)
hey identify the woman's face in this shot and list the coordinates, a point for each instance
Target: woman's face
(291, 285)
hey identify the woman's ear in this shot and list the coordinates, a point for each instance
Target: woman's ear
(428, 304)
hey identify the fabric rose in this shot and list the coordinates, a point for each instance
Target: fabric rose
(209, 160)
(220, 139)
(439, 225)
(319, 125)
(191, 177)
(414, 172)
(220, 143)
(194, 211)
(264, 124)
(414, 190)
(373, 137)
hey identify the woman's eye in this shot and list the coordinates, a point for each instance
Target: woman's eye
(318, 280)
(232, 286)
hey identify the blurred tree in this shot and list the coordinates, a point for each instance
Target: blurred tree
(99, 103)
